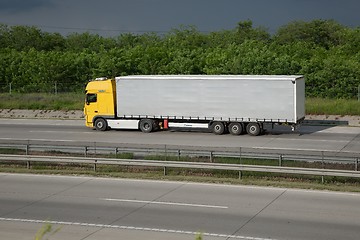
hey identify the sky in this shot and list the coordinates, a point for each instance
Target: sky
(113, 17)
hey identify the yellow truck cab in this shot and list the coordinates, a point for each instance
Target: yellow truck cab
(99, 102)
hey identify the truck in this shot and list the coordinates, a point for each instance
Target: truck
(235, 104)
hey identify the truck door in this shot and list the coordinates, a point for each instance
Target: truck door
(91, 108)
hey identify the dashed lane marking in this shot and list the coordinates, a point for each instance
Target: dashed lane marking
(165, 203)
(132, 228)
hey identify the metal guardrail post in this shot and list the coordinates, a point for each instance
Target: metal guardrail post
(165, 171)
(116, 151)
(27, 149)
(178, 154)
(28, 165)
(240, 156)
(211, 156)
(280, 160)
(165, 153)
(85, 151)
(356, 164)
(95, 148)
(240, 175)
(95, 165)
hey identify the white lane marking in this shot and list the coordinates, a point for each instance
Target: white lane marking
(165, 203)
(132, 228)
(60, 131)
(39, 139)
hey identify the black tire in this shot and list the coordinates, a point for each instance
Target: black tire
(146, 125)
(253, 129)
(101, 124)
(218, 128)
(235, 128)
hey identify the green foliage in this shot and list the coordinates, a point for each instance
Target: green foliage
(43, 101)
(46, 230)
(324, 51)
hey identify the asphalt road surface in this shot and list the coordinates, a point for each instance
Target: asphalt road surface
(319, 138)
(98, 208)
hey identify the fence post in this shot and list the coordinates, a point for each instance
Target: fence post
(280, 160)
(55, 88)
(10, 88)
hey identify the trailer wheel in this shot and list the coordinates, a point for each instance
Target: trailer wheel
(101, 124)
(235, 128)
(218, 128)
(146, 125)
(253, 129)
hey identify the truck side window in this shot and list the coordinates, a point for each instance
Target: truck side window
(91, 97)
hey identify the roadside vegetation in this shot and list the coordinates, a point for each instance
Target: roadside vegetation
(75, 101)
(324, 51)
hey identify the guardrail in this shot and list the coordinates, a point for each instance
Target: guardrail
(177, 164)
(208, 154)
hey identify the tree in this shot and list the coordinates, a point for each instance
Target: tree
(323, 33)
(245, 31)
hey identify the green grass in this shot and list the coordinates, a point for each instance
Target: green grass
(43, 101)
(341, 107)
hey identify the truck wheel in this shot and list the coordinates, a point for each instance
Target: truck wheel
(253, 129)
(235, 128)
(101, 124)
(146, 125)
(218, 128)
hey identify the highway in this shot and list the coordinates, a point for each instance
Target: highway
(319, 138)
(99, 208)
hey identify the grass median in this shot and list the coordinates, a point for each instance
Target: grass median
(193, 175)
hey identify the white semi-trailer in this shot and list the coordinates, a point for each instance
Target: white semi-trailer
(234, 103)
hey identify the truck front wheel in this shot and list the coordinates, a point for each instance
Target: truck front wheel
(101, 124)
(146, 125)
(253, 129)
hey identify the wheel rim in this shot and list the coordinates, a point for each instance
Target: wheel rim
(99, 124)
(235, 128)
(146, 126)
(253, 129)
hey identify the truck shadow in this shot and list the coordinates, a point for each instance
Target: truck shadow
(307, 127)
